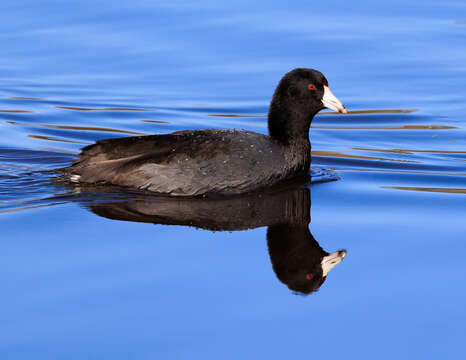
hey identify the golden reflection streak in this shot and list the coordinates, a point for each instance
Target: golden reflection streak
(410, 151)
(15, 111)
(404, 127)
(341, 155)
(237, 116)
(410, 172)
(156, 121)
(80, 128)
(53, 138)
(425, 189)
(353, 112)
(25, 98)
(99, 109)
(381, 111)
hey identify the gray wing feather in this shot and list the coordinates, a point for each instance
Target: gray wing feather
(185, 164)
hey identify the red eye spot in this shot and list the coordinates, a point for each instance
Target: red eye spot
(311, 87)
(309, 276)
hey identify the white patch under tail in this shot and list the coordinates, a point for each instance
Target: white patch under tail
(75, 178)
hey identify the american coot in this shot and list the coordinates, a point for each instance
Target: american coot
(197, 162)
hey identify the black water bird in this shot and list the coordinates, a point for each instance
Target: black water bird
(224, 162)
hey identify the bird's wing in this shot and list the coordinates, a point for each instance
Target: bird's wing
(120, 148)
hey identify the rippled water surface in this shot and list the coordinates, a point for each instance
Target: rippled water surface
(94, 273)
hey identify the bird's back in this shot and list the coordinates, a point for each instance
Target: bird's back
(185, 163)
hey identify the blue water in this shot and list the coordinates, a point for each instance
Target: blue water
(79, 285)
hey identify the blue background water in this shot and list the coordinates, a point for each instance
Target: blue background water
(79, 286)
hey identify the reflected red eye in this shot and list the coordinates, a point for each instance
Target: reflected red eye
(309, 276)
(311, 87)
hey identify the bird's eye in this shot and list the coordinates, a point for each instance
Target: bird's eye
(309, 276)
(311, 87)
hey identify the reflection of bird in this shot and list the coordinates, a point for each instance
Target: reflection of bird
(190, 163)
(296, 257)
(285, 204)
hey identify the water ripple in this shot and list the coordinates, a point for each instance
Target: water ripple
(100, 109)
(426, 189)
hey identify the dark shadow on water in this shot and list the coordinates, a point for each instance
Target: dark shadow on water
(297, 258)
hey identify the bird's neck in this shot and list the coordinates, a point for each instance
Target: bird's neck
(290, 129)
(288, 126)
